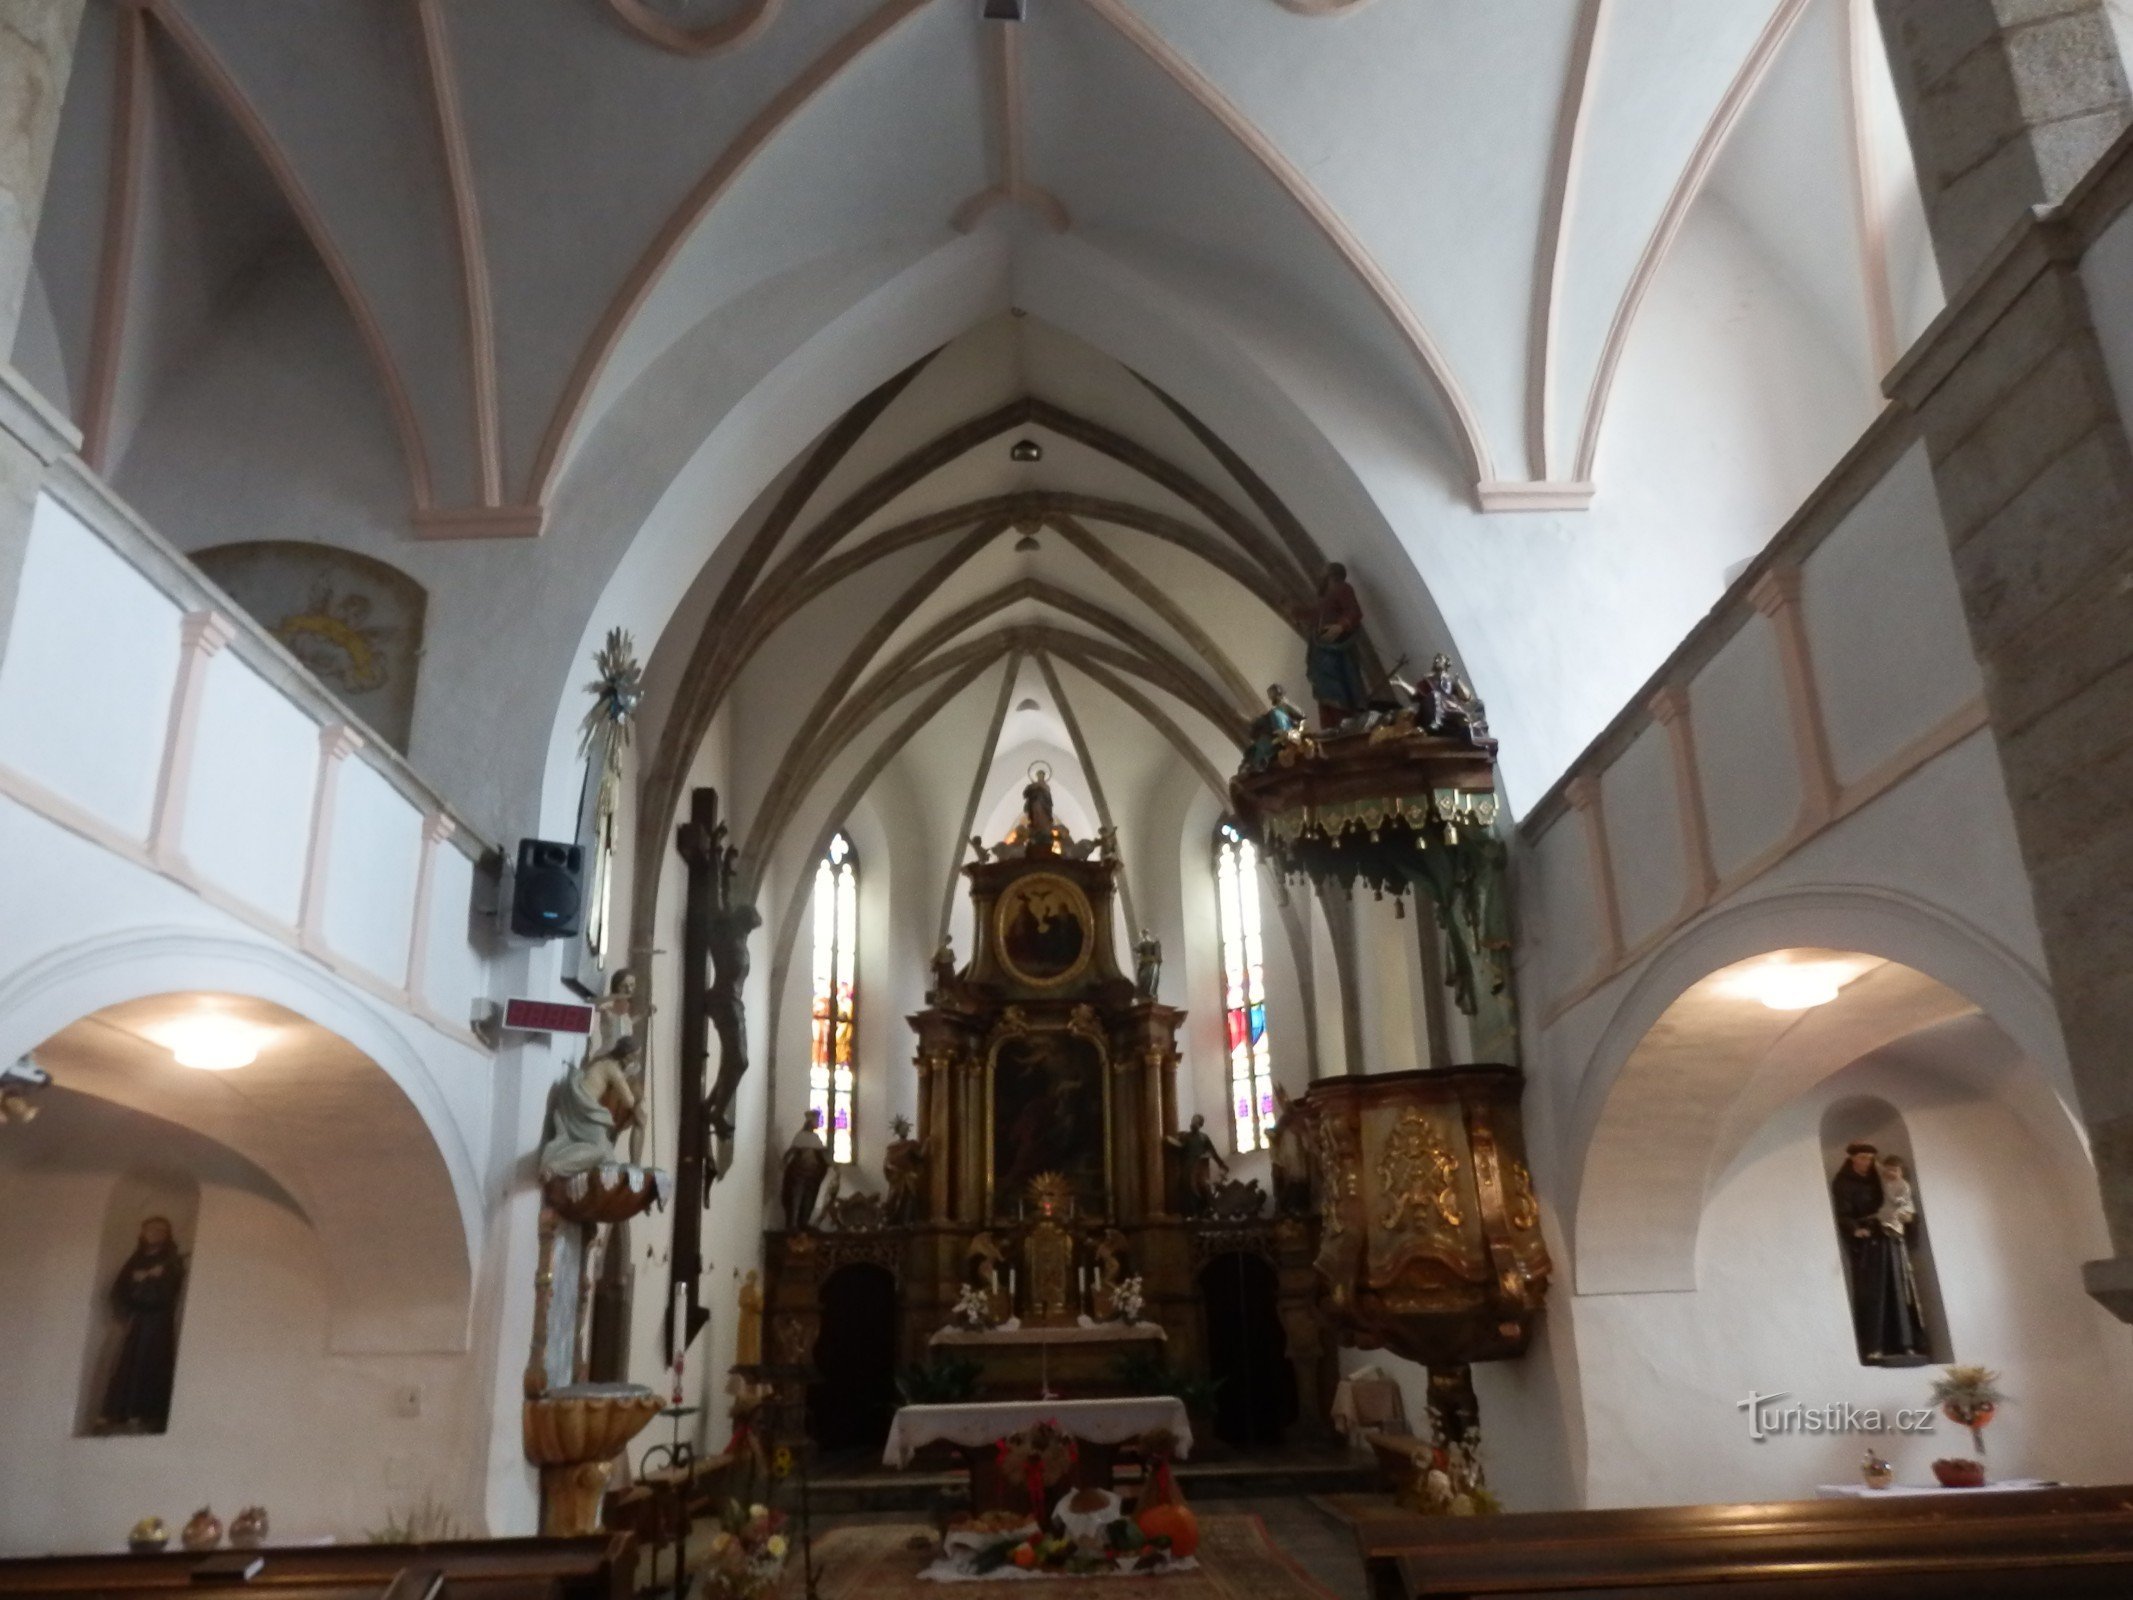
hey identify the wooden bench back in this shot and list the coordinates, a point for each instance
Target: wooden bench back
(599, 1567)
(2047, 1542)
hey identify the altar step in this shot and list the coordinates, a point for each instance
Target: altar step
(851, 1486)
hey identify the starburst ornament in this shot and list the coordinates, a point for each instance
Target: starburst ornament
(617, 693)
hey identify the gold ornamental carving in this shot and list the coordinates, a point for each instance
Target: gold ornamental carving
(1521, 1208)
(1418, 1178)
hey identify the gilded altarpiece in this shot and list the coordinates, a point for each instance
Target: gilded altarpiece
(1039, 1059)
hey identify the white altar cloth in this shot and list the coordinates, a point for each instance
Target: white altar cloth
(976, 1423)
(1021, 1333)
(1859, 1491)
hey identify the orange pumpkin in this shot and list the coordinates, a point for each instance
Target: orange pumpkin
(1025, 1556)
(1176, 1523)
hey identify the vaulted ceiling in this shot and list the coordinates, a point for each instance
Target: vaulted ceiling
(599, 270)
(524, 203)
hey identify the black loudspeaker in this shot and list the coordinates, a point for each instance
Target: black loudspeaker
(548, 891)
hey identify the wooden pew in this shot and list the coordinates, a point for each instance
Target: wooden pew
(2041, 1544)
(599, 1567)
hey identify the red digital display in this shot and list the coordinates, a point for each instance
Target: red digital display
(547, 1016)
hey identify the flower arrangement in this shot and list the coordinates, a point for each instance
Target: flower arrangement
(973, 1309)
(1969, 1396)
(746, 1555)
(1129, 1300)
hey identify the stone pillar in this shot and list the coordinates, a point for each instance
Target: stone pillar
(36, 55)
(2008, 103)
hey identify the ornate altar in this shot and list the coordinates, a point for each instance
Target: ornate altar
(1039, 1181)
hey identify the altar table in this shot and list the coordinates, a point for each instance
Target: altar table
(978, 1424)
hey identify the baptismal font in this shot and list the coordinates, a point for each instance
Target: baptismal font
(573, 1427)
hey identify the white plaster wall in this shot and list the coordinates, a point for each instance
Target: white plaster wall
(370, 877)
(1885, 622)
(2107, 275)
(454, 975)
(261, 1414)
(1644, 835)
(1664, 1373)
(92, 653)
(248, 798)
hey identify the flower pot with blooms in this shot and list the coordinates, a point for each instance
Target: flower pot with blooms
(1969, 1396)
(973, 1309)
(746, 1556)
(1129, 1300)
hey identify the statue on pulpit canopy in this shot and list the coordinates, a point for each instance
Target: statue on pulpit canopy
(1279, 727)
(1197, 1162)
(807, 1164)
(1333, 653)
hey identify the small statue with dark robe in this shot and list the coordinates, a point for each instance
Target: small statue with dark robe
(1290, 1146)
(1333, 648)
(944, 973)
(807, 1164)
(1198, 1160)
(1885, 1311)
(903, 1170)
(145, 1298)
(1147, 964)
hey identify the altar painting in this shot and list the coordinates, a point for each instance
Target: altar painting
(1048, 1114)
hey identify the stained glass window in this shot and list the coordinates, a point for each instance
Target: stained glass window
(829, 1073)
(1251, 1071)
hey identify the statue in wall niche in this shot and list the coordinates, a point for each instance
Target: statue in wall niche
(1877, 1215)
(903, 1170)
(807, 1164)
(591, 1104)
(1147, 964)
(1333, 648)
(1290, 1145)
(144, 1298)
(1197, 1163)
(1280, 727)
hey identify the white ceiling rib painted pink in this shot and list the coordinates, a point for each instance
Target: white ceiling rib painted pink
(1408, 262)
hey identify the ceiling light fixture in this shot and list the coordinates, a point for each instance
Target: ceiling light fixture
(1025, 450)
(1792, 985)
(1028, 703)
(212, 1043)
(1004, 10)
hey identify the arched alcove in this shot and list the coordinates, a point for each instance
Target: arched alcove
(341, 1113)
(1689, 1066)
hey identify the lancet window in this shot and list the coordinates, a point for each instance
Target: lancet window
(1251, 1069)
(830, 1073)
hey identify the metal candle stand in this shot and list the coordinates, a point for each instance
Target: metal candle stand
(680, 1459)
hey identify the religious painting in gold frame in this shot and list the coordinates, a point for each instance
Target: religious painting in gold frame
(1044, 930)
(1047, 1109)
